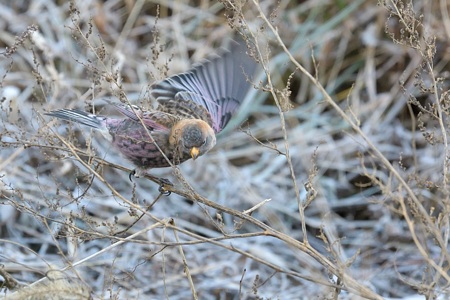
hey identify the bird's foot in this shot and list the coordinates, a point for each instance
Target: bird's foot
(163, 182)
(138, 172)
(132, 174)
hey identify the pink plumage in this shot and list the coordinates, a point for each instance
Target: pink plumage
(192, 108)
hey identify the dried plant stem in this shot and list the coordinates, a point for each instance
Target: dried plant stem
(185, 263)
(104, 250)
(350, 283)
(424, 214)
(74, 152)
(301, 206)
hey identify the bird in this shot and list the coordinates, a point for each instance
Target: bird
(192, 107)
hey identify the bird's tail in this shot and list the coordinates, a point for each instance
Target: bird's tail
(78, 116)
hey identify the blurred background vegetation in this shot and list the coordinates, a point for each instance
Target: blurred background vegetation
(345, 132)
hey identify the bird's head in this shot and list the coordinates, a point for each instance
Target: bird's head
(193, 137)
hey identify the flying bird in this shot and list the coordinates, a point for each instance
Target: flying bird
(192, 107)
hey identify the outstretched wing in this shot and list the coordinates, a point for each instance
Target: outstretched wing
(219, 84)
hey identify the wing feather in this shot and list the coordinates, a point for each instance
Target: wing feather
(218, 84)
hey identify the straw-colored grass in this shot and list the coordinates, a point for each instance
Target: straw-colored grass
(332, 181)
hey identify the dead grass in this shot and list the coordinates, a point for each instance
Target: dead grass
(331, 182)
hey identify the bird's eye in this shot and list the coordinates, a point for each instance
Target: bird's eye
(204, 142)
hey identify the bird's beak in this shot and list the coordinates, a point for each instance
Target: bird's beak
(194, 152)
